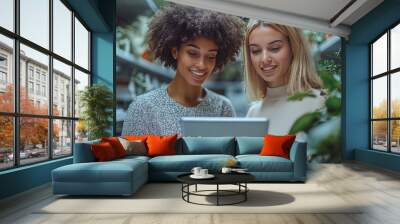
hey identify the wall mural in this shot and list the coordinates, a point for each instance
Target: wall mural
(175, 61)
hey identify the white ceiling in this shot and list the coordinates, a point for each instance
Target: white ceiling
(324, 9)
(316, 15)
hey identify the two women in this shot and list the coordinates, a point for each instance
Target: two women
(196, 43)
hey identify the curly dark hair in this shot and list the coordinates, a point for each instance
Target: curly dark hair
(176, 24)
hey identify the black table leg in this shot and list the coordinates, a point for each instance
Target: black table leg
(217, 194)
(245, 193)
(188, 190)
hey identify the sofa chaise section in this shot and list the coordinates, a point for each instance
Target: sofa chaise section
(87, 177)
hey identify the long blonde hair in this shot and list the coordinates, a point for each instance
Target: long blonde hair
(302, 74)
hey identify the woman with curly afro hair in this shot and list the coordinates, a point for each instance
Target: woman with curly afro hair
(195, 43)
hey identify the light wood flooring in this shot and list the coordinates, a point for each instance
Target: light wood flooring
(378, 188)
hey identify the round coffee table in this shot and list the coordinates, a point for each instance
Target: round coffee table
(238, 179)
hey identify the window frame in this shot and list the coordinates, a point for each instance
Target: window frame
(16, 114)
(388, 74)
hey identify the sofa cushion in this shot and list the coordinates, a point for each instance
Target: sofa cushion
(185, 163)
(133, 147)
(275, 145)
(103, 152)
(249, 145)
(131, 158)
(208, 145)
(257, 163)
(161, 145)
(116, 145)
(112, 171)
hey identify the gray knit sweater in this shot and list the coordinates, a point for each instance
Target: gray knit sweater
(157, 113)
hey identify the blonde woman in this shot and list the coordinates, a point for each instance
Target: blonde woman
(277, 65)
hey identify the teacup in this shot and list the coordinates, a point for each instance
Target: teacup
(196, 170)
(203, 172)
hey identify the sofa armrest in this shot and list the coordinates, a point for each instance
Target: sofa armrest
(83, 152)
(298, 155)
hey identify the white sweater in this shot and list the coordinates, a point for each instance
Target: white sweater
(282, 113)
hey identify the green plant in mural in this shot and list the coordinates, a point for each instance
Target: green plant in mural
(96, 102)
(323, 125)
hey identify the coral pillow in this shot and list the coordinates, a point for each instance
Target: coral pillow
(277, 145)
(103, 151)
(161, 145)
(116, 145)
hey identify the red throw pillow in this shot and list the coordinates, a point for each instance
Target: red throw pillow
(277, 145)
(103, 151)
(161, 145)
(116, 145)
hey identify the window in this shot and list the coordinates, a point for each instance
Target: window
(6, 92)
(7, 14)
(385, 94)
(30, 88)
(3, 72)
(30, 72)
(81, 45)
(44, 91)
(62, 30)
(34, 23)
(62, 76)
(37, 75)
(3, 78)
(3, 61)
(38, 89)
(54, 125)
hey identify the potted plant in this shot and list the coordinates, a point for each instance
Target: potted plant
(96, 102)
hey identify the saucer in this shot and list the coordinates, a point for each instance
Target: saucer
(208, 176)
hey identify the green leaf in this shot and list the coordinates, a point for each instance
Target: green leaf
(305, 122)
(301, 95)
(330, 83)
(333, 105)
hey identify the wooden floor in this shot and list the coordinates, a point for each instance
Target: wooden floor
(378, 188)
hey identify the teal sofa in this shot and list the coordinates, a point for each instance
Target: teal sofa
(125, 176)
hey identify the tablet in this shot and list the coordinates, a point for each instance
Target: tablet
(224, 126)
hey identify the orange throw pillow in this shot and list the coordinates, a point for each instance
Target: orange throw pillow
(103, 151)
(277, 145)
(161, 145)
(116, 145)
